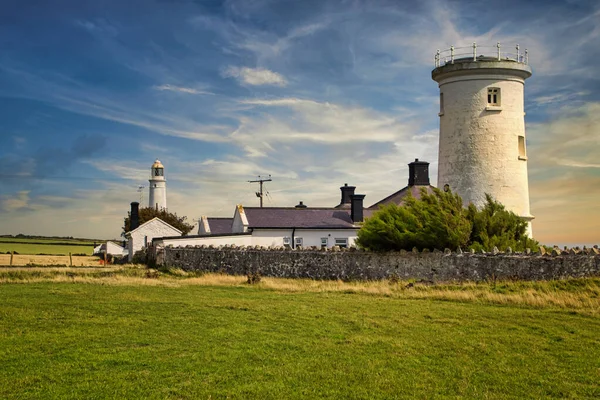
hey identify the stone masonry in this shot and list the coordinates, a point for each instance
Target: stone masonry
(353, 264)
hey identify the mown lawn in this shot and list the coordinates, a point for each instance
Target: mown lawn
(75, 340)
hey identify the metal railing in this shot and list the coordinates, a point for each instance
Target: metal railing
(474, 52)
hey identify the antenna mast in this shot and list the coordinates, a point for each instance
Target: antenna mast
(260, 181)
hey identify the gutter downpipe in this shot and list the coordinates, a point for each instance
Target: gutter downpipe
(293, 241)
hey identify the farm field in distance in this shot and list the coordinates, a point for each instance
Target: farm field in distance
(51, 246)
(130, 332)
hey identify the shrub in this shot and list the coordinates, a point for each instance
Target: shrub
(254, 277)
(495, 226)
(436, 221)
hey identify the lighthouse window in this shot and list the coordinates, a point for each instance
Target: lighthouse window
(522, 151)
(158, 171)
(493, 96)
(441, 104)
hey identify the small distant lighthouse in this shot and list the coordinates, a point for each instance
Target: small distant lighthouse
(482, 125)
(158, 186)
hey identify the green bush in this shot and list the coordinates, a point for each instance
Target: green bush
(439, 221)
(495, 226)
(435, 221)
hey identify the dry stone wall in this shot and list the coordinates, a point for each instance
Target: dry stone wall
(353, 264)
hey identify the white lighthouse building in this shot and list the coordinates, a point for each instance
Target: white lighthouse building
(158, 186)
(482, 125)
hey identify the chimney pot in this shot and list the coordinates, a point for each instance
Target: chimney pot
(301, 205)
(418, 173)
(347, 192)
(356, 209)
(134, 217)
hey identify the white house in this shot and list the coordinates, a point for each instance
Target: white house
(140, 237)
(111, 248)
(281, 226)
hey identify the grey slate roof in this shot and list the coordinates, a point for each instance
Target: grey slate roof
(398, 197)
(220, 225)
(307, 218)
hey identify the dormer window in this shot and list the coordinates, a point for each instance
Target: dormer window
(493, 97)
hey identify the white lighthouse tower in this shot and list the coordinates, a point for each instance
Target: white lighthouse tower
(482, 125)
(158, 186)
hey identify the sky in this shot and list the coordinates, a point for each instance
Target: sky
(314, 93)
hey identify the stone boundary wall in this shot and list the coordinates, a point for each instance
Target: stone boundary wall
(354, 264)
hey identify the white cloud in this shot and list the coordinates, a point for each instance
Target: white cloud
(17, 202)
(295, 120)
(254, 76)
(181, 89)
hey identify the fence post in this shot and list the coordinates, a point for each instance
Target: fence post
(474, 51)
(498, 45)
(12, 253)
(526, 56)
(452, 54)
(70, 260)
(518, 54)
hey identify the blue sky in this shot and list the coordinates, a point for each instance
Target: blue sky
(315, 93)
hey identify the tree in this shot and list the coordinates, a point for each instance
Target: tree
(495, 226)
(147, 213)
(436, 221)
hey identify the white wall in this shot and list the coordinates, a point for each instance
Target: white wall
(238, 240)
(147, 232)
(114, 249)
(310, 237)
(274, 237)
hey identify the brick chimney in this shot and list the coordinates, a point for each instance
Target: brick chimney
(418, 173)
(356, 209)
(347, 192)
(134, 216)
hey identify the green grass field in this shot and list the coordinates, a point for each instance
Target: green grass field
(29, 248)
(185, 337)
(48, 240)
(46, 245)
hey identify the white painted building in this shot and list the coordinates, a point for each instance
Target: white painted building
(482, 146)
(140, 237)
(293, 227)
(111, 248)
(158, 186)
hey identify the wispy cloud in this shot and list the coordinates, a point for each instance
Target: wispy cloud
(181, 89)
(254, 76)
(17, 202)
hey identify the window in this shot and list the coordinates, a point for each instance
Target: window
(522, 151)
(298, 241)
(158, 172)
(493, 97)
(441, 104)
(341, 242)
(324, 242)
(287, 241)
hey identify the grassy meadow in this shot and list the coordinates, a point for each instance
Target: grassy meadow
(50, 246)
(129, 332)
